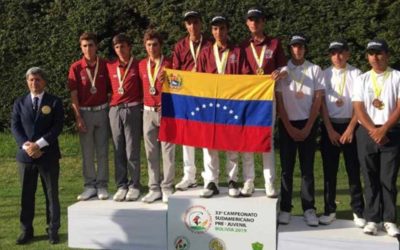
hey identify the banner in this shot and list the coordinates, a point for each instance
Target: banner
(222, 112)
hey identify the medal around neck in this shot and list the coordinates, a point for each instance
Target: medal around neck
(152, 91)
(260, 71)
(339, 102)
(121, 90)
(378, 104)
(93, 90)
(299, 94)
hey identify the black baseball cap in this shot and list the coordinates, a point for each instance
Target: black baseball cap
(377, 45)
(219, 19)
(338, 45)
(255, 13)
(298, 39)
(191, 13)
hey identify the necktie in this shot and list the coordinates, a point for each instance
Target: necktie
(35, 104)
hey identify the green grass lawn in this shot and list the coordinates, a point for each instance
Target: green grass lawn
(71, 185)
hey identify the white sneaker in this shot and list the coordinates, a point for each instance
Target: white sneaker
(327, 219)
(165, 195)
(120, 194)
(87, 193)
(311, 218)
(359, 221)
(284, 217)
(133, 194)
(185, 185)
(209, 191)
(152, 196)
(233, 189)
(248, 189)
(371, 228)
(270, 191)
(102, 193)
(391, 229)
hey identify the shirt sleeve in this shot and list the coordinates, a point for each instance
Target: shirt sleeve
(358, 90)
(72, 81)
(319, 79)
(42, 143)
(281, 60)
(176, 63)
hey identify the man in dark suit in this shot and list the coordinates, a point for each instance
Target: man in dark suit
(37, 121)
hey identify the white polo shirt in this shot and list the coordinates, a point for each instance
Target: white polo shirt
(300, 108)
(339, 84)
(364, 92)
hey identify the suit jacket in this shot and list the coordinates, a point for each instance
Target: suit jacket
(47, 123)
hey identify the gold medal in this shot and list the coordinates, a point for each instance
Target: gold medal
(299, 94)
(260, 71)
(339, 102)
(378, 104)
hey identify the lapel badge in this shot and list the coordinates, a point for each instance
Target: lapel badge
(46, 110)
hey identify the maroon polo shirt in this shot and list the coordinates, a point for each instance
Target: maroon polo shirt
(273, 58)
(79, 80)
(182, 58)
(132, 84)
(236, 64)
(148, 99)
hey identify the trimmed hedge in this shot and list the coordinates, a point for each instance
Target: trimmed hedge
(45, 33)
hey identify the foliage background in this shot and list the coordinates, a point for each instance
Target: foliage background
(45, 32)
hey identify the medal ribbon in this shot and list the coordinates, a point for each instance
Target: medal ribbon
(153, 77)
(259, 59)
(121, 80)
(376, 87)
(299, 84)
(96, 69)
(221, 63)
(342, 83)
(195, 54)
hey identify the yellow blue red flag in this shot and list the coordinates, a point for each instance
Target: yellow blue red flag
(223, 112)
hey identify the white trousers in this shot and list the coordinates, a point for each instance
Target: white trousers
(189, 166)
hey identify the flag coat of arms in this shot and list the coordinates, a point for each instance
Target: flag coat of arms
(222, 112)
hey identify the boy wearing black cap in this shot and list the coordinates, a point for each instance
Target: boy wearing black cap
(221, 58)
(265, 56)
(184, 57)
(337, 133)
(376, 102)
(298, 99)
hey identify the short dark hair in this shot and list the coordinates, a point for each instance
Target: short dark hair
(121, 38)
(151, 34)
(87, 36)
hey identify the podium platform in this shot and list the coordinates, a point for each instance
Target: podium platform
(341, 234)
(108, 224)
(221, 222)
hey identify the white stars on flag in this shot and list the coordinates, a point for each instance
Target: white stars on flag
(218, 106)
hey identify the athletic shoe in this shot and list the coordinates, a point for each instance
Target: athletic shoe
(233, 189)
(209, 191)
(102, 193)
(284, 217)
(120, 194)
(133, 194)
(311, 218)
(327, 219)
(248, 189)
(87, 193)
(165, 195)
(270, 191)
(371, 228)
(391, 229)
(185, 185)
(359, 221)
(152, 196)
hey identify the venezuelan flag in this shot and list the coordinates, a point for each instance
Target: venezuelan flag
(223, 112)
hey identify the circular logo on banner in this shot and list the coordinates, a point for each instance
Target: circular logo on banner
(182, 243)
(216, 244)
(197, 219)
